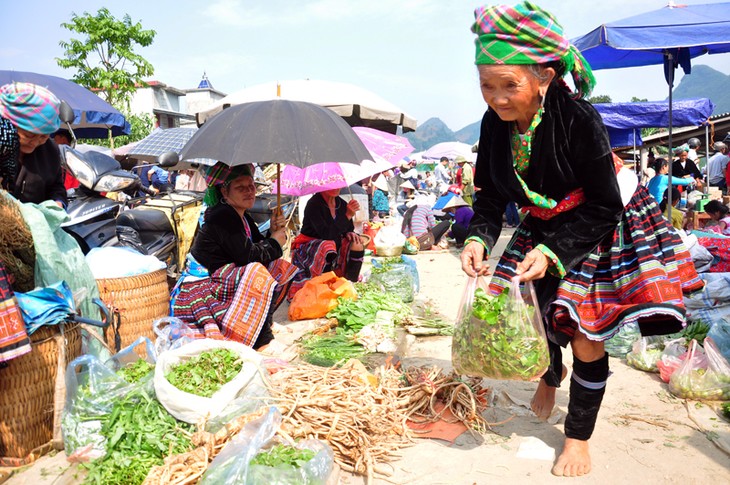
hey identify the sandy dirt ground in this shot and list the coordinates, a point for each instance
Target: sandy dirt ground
(644, 435)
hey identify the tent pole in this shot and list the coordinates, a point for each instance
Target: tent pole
(707, 159)
(670, 79)
(634, 156)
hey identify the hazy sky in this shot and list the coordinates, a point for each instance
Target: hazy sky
(417, 54)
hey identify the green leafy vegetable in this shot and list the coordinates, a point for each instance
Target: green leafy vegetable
(386, 265)
(497, 339)
(134, 372)
(353, 315)
(283, 455)
(726, 409)
(329, 349)
(139, 433)
(696, 330)
(204, 374)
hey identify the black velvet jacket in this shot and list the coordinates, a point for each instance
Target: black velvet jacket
(222, 240)
(318, 222)
(570, 150)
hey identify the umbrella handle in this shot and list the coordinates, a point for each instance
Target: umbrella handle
(278, 189)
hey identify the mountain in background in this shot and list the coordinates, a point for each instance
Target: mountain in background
(703, 82)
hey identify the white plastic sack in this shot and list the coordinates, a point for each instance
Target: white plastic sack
(191, 408)
(119, 262)
(389, 237)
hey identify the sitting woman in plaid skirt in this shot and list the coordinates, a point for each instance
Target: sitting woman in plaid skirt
(244, 278)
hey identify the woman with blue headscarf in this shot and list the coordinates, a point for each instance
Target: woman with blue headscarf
(30, 163)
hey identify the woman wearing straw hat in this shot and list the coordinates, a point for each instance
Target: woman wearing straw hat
(30, 163)
(544, 147)
(236, 277)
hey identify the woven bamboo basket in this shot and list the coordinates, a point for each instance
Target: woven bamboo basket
(138, 301)
(33, 392)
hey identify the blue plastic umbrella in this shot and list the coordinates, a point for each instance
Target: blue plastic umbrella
(94, 116)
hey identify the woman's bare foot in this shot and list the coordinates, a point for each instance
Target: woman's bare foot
(574, 461)
(543, 401)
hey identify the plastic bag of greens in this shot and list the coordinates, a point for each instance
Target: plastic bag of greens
(645, 353)
(91, 390)
(500, 336)
(702, 377)
(620, 344)
(171, 334)
(398, 281)
(253, 457)
(131, 367)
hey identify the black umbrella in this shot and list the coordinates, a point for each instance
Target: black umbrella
(276, 131)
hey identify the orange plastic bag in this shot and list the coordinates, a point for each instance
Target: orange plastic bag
(319, 295)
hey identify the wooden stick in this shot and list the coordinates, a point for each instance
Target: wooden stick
(278, 189)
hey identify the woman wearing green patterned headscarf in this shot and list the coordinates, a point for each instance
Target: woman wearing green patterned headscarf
(586, 241)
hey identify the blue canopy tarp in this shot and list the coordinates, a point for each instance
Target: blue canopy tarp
(93, 115)
(641, 40)
(624, 119)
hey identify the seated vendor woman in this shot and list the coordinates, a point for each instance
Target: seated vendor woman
(246, 277)
(327, 241)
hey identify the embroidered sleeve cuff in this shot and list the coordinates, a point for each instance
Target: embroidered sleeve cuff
(556, 267)
(479, 240)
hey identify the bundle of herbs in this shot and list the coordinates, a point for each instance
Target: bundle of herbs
(139, 433)
(496, 338)
(427, 320)
(206, 373)
(329, 349)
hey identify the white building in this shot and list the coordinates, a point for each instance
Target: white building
(171, 107)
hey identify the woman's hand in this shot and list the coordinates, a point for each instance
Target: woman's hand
(355, 241)
(472, 260)
(533, 267)
(352, 207)
(278, 221)
(279, 235)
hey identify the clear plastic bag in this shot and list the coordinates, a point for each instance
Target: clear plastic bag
(645, 353)
(720, 334)
(398, 281)
(171, 334)
(621, 343)
(233, 464)
(92, 388)
(500, 337)
(703, 377)
(672, 357)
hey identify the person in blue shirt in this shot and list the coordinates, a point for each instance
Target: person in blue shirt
(160, 179)
(659, 183)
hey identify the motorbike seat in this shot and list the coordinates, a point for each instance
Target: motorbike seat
(143, 220)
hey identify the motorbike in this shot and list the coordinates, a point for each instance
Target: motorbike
(92, 215)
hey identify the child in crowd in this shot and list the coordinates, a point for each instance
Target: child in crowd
(677, 219)
(719, 214)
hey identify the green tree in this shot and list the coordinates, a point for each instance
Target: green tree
(105, 59)
(599, 98)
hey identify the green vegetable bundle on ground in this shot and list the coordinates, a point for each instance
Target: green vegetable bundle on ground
(329, 349)
(139, 433)
(497, 337)
(355, 314)
(204, 374)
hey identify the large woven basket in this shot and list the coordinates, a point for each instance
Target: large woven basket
(138, 301)
(33, 392)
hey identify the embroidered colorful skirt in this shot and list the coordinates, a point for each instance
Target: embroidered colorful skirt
(234, 302)
(638, 275)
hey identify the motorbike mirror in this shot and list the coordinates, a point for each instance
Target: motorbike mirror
(168, 159)
(66, 112)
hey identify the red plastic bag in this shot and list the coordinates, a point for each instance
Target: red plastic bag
(319, 295)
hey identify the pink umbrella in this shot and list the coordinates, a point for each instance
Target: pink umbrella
(387, 150)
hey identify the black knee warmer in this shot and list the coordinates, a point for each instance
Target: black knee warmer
(587, 386)
(354, 264)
